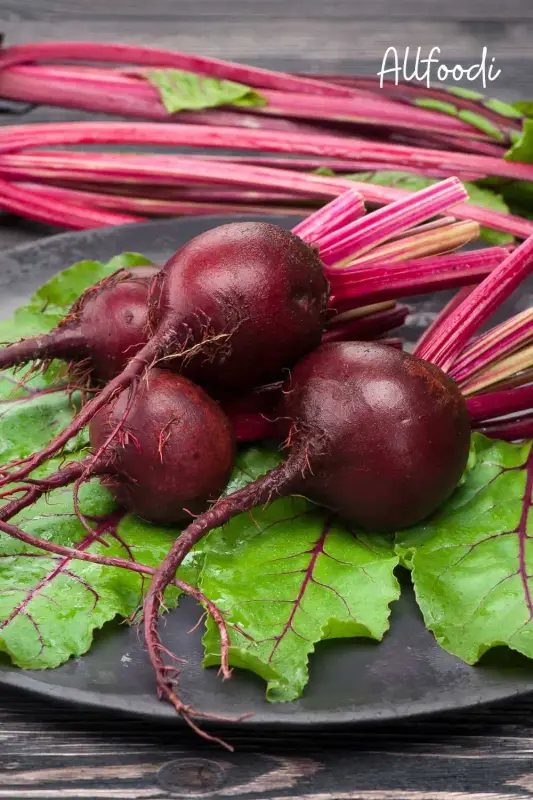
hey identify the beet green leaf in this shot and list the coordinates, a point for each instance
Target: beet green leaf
(51, 606)
(47, 306)
(472, 562)
(186, 91)
(287, 577)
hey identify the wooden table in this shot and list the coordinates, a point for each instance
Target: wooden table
(49, 751)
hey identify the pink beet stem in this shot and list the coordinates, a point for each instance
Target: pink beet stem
(510, 430)
(377, 227)
(485, 259)
(153, 57)
(375, 111)
(512, 366)
(404, 285)
(153, 207)
(52, 211)
(402, 90)
(501, 341)
(112, 92)
(484, 216)
(23, 136)
(512, 382)
(498, 404)
(341, 165)
(335, 215)
(461, 325)
(358, 311)
(417, 245)
(443, 315)
(166, 169)
(367, 327)
(440, 222)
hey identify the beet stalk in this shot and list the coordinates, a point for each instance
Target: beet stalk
(444, 345)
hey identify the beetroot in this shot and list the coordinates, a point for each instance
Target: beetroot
(386, 434)
(254, 293)
(164, 452)
(105, 327)
(232, 308)
(174, 450)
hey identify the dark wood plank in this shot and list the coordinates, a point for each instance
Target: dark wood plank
(304, 10)
(268, 39)
(49, 751)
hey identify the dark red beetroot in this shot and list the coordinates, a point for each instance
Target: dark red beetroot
(387, 434)
(256, 290)
(377, 435)
(173, 452)
(234, 307)
(104, 329)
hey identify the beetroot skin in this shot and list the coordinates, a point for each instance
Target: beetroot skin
(388, 434)
(375, 434)
(113, 323)
(174, 451)
(254, 282)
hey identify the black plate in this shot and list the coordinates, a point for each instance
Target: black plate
(351, 681)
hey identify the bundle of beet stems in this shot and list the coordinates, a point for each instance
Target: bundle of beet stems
(344, 124)
(409, 246)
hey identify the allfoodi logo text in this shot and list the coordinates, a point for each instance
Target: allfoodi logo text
(414, 66)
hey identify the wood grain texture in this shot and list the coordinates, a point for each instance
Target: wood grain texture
(50, 751)
(36, 10)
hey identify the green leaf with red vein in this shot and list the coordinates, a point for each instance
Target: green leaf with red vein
(51, 606)
(472, 562)
(288, 577)
(29, 421)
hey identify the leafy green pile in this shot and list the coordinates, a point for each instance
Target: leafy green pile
(287, 577)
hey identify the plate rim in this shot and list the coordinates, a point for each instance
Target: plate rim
(145, 709)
